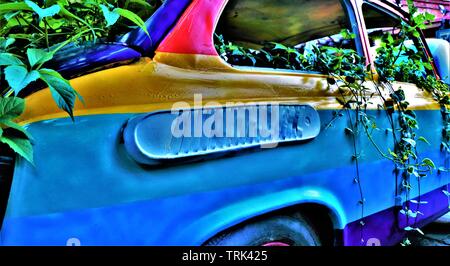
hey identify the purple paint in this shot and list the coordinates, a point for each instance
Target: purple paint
(158, 26)
(387, 227)
(74, 61)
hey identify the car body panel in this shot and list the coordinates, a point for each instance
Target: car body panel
(49, 205)
(99, 195)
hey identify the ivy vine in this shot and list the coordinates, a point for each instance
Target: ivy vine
(396, 60)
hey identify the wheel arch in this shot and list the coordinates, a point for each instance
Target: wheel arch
(316, 203)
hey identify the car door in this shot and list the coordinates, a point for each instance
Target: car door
(335, 161)
(418, 199)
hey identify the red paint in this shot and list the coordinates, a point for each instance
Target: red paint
(194, 32)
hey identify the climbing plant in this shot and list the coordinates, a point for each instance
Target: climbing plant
(32, 32)
(358, 85)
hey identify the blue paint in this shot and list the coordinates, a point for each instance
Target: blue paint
(101, 196)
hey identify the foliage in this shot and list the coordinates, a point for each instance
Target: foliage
(397, 59)
(32, 32)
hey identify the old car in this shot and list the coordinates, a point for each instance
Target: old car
(118, 175)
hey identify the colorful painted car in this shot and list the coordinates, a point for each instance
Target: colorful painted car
(118, 176)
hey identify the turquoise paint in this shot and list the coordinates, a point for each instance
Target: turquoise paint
(85, 185)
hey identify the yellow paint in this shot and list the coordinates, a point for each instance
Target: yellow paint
(150, 85)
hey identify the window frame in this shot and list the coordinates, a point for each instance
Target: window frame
(352, 15)
(394, 13)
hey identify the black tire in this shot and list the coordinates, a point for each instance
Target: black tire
(292, 230)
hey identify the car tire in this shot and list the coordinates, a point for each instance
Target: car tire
(281, 230)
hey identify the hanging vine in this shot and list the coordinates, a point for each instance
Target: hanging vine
(358, 85)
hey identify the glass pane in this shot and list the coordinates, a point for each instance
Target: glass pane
(287, 31)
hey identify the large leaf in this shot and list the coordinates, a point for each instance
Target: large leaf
(7, 59)
(11, 107)
(132, 17)
(20, 146)
(62, 92)
(110, 16)
(18, 77)
(38, 56)
(43, 12)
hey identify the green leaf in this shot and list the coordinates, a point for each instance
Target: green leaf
(406, 242)
(11, 107)
(11, 15)
(429, 162)
(393, 154)
(18, 77)
(143, 3)
(9, 7)
(15, 126)
(43, 12)
(7, 59)
(38, 56)
(110, 16)
(410, 141)
(61, 90)
(424, 140)
(429, 16)
(20, 146)
(279, 46)
(132, 17)
(6, 42)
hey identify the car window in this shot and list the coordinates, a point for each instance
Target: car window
(389, 40)
(379, 23)
(259, 32)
